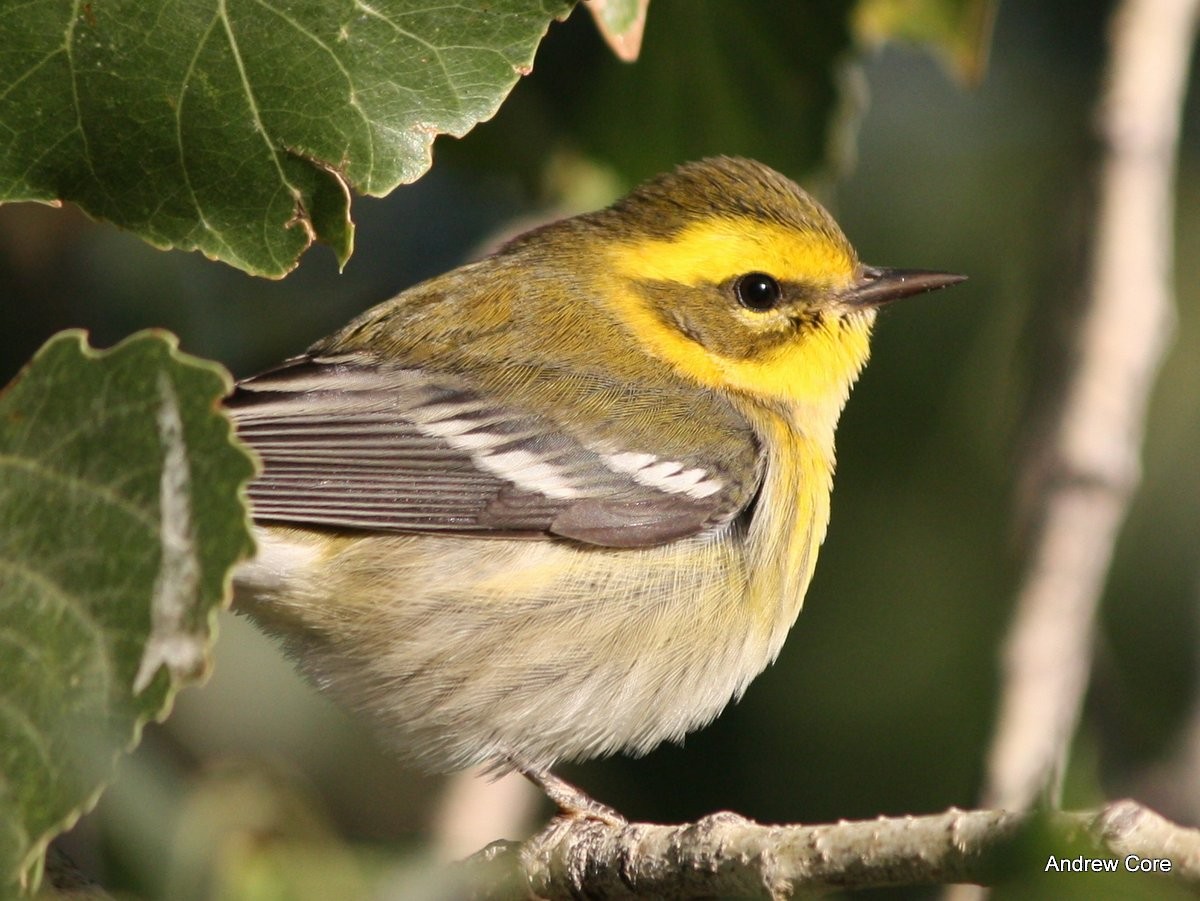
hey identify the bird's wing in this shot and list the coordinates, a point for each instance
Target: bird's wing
(346, 445)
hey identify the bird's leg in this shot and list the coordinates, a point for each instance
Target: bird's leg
(571, 801)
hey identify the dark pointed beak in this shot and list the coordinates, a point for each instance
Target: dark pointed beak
(876, 287)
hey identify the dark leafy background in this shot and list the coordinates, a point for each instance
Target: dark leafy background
(882, 699)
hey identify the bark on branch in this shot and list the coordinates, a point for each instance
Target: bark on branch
(727, 855)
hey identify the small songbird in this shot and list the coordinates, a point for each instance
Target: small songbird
(566, 500)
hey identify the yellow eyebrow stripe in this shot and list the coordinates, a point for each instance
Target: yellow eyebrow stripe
(717, 249)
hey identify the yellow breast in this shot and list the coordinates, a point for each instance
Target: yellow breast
(790, 519)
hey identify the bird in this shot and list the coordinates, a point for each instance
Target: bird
(566, 500)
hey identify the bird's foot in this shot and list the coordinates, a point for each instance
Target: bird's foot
(572, 802)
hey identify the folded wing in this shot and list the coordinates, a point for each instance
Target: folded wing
(350, 446)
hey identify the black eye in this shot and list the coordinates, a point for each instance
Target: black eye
(757, 291)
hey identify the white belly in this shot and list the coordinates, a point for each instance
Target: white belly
(472, 651)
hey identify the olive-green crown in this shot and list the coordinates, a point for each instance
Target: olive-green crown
(720, 186)
(723, 186)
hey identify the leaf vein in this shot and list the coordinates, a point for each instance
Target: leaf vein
(433, 48)
(103, 492)
(351, 91)
(179, 142)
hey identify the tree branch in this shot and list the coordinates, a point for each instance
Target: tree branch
(727, 855)
(1091, 469)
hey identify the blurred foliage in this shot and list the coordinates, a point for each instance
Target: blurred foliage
(882, 699)
(120, 518)
(959, 29)
(767, 82)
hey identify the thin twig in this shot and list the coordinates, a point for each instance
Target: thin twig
(1093, 467)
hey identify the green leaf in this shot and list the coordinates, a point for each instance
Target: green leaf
(960, 30)
(237, 127)
(621, 24)
(121, 517)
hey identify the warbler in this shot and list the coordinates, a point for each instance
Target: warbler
(566, 500)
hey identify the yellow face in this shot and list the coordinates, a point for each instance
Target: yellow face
(746, 305)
